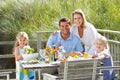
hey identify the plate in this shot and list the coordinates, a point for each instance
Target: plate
(30, 62)
(72, 54)
(55, 63)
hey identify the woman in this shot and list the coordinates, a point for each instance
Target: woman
(84, 30)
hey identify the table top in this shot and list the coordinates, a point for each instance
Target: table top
(39, 65)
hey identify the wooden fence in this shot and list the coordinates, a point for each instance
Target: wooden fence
(113, 43)
(42, 38)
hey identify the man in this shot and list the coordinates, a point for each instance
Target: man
(65, 38)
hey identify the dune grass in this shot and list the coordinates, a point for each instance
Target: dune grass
(40, 15)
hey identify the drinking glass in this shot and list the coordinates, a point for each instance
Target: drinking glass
(61, 56)
(42, 55)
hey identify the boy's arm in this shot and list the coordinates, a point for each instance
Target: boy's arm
(103, 56)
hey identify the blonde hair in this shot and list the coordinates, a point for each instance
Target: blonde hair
(80, 12)
(104, 41)
(21, 34)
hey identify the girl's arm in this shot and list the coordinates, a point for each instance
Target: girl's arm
(18, 56)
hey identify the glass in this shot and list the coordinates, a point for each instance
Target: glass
(61, 56)
(61, 53)
(41, 55)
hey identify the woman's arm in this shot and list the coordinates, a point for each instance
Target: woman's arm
(92, 36)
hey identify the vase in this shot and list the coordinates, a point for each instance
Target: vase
(51, 58)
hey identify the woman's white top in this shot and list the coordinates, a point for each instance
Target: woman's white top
(89, 35)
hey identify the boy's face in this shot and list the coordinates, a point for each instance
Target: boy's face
(100, 46)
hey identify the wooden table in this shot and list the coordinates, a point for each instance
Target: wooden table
(38, 66)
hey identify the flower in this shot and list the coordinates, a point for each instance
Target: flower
(51, 52)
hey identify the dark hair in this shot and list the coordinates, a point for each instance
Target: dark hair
(64, 20)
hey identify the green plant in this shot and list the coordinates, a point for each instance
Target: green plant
(30, 50)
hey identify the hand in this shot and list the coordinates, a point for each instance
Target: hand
(94, 56)
(19, 57)
(53, 33)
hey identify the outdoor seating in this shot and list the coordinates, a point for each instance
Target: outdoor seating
(6, 72)
(76, 70)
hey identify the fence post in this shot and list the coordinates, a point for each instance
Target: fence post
(38, 41)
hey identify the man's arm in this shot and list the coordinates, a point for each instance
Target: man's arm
(52, 40)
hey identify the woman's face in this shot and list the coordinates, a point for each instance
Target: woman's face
(22, 41)
(77, 19)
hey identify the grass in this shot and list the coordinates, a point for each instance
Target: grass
(40, 15)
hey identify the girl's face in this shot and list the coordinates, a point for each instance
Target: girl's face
(78, 19)
(100, 46)
(22, 41)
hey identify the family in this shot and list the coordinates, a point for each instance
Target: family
(79, 35)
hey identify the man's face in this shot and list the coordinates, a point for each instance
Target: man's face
(65, 28)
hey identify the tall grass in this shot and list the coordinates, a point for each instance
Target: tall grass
(37, 15)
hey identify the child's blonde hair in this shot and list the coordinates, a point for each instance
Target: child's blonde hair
(21, 34)
(103, 40)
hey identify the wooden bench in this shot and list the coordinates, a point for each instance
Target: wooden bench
(76, 70)
(6, 72)
(7, 69)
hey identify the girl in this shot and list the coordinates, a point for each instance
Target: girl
(102, 52)
(20, 48)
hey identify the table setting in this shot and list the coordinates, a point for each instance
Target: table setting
(50, 58)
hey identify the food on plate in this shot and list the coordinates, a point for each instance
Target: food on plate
(69, 57)
(63, 60)
(86, 55)
(33, 61)
(76, 56)
(73, 54)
